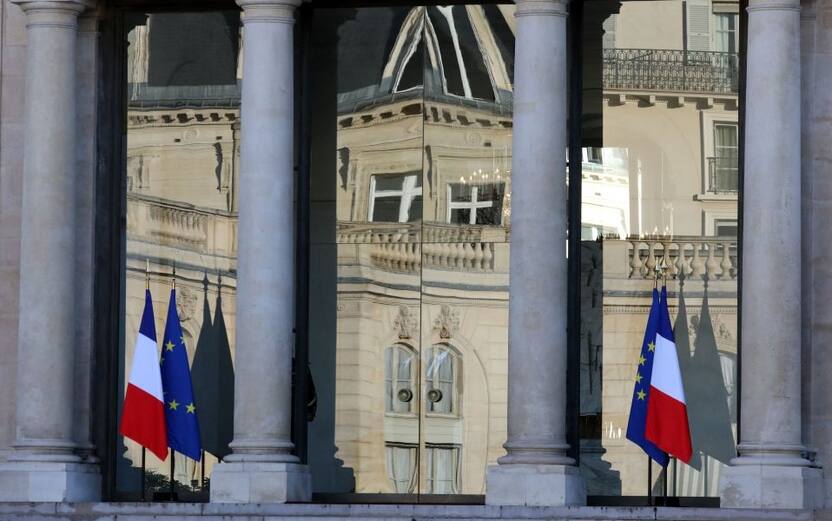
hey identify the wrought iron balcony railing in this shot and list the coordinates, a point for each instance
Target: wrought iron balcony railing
(723, 175)
(671, 70)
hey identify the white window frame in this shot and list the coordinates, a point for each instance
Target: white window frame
(406, 195)
(392, 382)
(431, 467)
(709, 122)
(433, 381)
(719, 32)
(474, 204)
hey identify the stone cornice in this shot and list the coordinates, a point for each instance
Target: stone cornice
(268, 11)
(541, 8)
(773, 5)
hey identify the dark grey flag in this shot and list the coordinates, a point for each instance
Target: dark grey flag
(213, 379)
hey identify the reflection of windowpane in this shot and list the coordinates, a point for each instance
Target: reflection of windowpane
(401, 468)
(415, 213)
(386, 209)
(389, 182)
(460, 216)
(461, 192)
(398, 376)
(443, 471)
(489, 216)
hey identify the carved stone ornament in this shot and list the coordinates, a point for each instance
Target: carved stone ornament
(185, 303)
(405, 322)
(447, 322)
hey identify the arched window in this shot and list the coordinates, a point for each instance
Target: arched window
(442, 378)
(399, 379)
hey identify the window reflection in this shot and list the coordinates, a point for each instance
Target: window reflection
(659, 198)
(182, 172)
(410, 258)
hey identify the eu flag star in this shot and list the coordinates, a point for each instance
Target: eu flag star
(190, 408)
(641, 395)
(638, 378)
(651, 346)
(169, 346)
(173, 404)
(641, 360)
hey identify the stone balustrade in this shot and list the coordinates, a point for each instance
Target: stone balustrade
(693, 257)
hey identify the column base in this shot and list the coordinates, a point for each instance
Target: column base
(534, 485)
(260, 482)
(771, 486)
(53, 482)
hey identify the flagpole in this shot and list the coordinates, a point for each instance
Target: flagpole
(144, 451)
(675, 473)
(172, 468)
(649, 481)
(144, 495)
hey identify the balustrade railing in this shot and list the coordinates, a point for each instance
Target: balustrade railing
(671, 70)
(693, 257)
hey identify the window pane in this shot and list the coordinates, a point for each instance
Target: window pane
(389, 182)
(460, 216)
(386, 209)
(647, 204)
(182, 177)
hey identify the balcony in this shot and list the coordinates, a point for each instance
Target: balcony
(671, 70)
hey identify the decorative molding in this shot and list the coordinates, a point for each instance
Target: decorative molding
(540, 8)
(773, 5)
(268, 11)
(447, 322)
(405, 323)
(57, 14)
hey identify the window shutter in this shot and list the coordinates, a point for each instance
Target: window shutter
(698, 18)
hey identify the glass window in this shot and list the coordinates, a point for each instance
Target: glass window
(400, 371)
(182, 174)
(396, 198)
(443, 469)
(725, 163)
(726, 32)
(645, 166)
(475, 203)
(409, 265)
(401, 468)
(441, 377)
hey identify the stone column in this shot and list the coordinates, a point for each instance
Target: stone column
(771, 471)
(536, 469)
(44, 465)
(262, 468)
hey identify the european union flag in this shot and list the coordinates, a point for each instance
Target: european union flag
(641, 391)
(180, 409)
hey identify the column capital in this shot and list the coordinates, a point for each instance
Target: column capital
(773, 5)
(53, 13)
(269, 11)
(541, 8)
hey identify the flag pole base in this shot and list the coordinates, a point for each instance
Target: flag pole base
(49, 481)
(260, 482)
(534, 485)
(760, 485)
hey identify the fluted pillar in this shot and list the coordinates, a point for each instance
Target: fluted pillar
(262, 468)
(771, 471)
(536, 469)
(44, 465)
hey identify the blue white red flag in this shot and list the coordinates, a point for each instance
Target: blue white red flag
(667, 415)
(637, 423)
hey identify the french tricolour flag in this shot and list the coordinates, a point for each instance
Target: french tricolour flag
(143, 416)
(667, 416)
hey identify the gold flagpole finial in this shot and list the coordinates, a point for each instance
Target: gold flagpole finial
(147, 274)
(173, 277)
